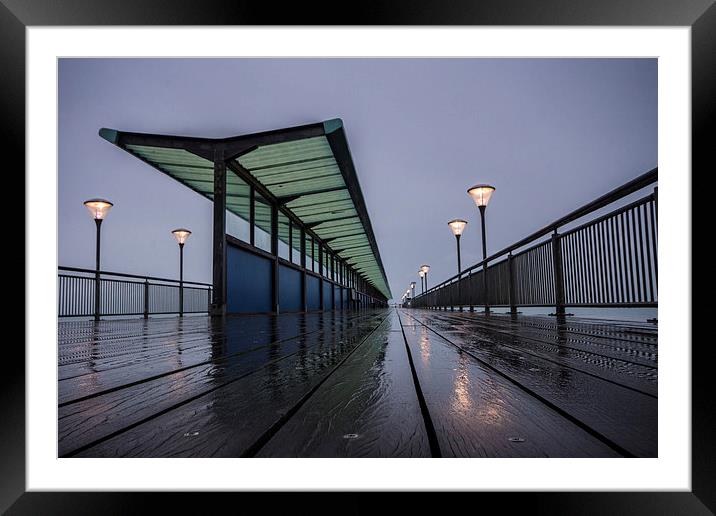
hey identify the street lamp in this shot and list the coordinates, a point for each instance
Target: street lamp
(457, 226)
(425, 269)
(422, 280)
(98, 208)
(481, 195)
(412, 287)
(181, 235)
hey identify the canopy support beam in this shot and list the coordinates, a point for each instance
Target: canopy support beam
(218, 302)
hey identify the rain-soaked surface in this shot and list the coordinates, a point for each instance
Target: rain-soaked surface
(384, 383)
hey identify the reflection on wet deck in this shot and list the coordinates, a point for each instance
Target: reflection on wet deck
(386, 383)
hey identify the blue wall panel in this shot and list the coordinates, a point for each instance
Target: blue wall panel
(248, 281)
(289, 287)
(327, 295)
(313, 300)
(337, 297)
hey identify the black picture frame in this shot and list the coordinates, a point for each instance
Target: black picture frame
(700, 15)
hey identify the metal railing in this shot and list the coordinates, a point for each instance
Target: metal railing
(126, 294)
(610, 261)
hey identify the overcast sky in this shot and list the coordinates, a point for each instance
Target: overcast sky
(549, 134)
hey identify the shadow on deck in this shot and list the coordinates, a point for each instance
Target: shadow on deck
(386, 383)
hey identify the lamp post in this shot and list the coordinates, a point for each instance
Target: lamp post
(457, 226)
(481, 195)
(98, 208)
(412, 287)
(422, 280)
(425, 269)
(181, 235)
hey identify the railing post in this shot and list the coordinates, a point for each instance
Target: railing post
(146, 299)
(511, 283)
(558, 274)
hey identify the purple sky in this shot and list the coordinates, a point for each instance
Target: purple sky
(549, 134)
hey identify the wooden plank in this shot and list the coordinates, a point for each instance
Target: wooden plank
(99, 416)
(478, 413)
(368, 408)
(227, 421)
(605, 366)
(604, 339)
(623, 416)
(140, 355)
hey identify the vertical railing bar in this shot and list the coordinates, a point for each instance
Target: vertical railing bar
(539, 264)
(575, 263)
(552, 274)
(647, 229)
(612, 253)
(540, 272)
(625, 259)
(590, 264)
(546, 283)
(635, 256)
(632, 259)
(539, 291)
(543, 265)
(569, 246)
(529, 267)
(579, 267)
(587, 267)
(639, 212)
(620, 261)
(604, 263)
(655, 245)
(597, 264)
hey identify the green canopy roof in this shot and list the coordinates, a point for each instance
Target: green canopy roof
(306, 169)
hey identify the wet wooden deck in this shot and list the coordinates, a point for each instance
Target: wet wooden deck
(389, 383)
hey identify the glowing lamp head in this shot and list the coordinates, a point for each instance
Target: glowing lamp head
(457, 226)
(425, 268)
(421, 274)
(481, 194)
(98, 208)
(181, 235)
(412, 284)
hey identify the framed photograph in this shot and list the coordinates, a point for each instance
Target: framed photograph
(319, 326)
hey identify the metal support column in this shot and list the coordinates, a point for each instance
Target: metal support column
(304, 299)
(320, 274)
(274, 251)
(218, 305)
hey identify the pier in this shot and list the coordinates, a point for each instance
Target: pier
(381, 383)
(293, 349)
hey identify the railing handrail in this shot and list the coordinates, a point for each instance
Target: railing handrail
(127, 275)
(614, 195)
